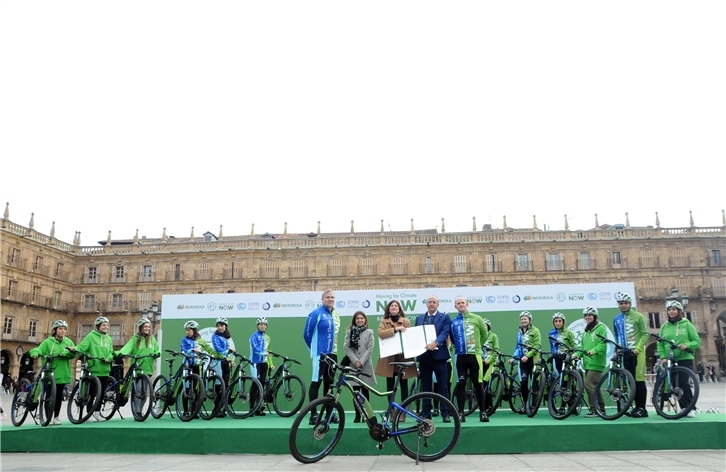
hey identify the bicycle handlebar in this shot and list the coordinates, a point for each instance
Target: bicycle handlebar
(672, 344)
(285, 358)
(343, 369)
(617, 346)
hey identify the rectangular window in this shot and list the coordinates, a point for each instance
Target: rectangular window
(398, 266)
(654, 320)
(57, 297)
(117, 300)
(14, 256)
(148, 271)
(38, 263)
(298, 266)
(367, 263)
(584, 261)
(716, 257)
(116, 332)
(13, 288)
(490, 263)
(119, 274)
(269, 265)
(33, 328)
(459, 264)
(367, 267)
(83, 331)
(89, 301)
(91, 276)
(719, 287)
(522, 261)
(144, 301)
(615, 258)
(649, 286)
(429, 265)
(8, 326)
(177, 272)
(58, 269)
(36, 295)
(554, 262)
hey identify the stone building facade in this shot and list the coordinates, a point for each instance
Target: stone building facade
(44, 279)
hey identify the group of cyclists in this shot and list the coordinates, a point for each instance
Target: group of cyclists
(629, 327)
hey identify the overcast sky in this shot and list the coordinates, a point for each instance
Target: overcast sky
(152, 114)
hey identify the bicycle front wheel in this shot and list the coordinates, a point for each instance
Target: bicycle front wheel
(614, 394)
(494, 392)
(536, 392)
(470, 403)
(670, 397)
(516, 402)
(213, 395)
(289, 396)
(141, 397)
(316, 430)
(425, 439)
(244, 397)
(21, 400)
(161, 398)
(82, 402)
(109, 399)
(189, 398)
(46, 400)
(565, 396)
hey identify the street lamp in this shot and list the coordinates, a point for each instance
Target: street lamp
(684, 299)
(153, 314)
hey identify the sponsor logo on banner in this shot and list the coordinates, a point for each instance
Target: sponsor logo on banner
(287, 305)
(561, 297)
(503, 299)
(340, 304)
(253, 306)
(576, 296)
(190, 307)
(353, 303)
(241, 306)
(265, 306)
(225, 306)
(473, 300)
(604, 295)
(211, 306)
(310, 305)
(532, 298)
(516, 299)
(366, 304)
(491, 299)
(592, 296)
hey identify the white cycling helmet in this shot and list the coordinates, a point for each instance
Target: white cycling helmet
(527, 314)
(622, 297)
(222, 320)
(488, 323)
(590, 310)
(60, 324)
(191, 325)
(558, 315)
(674, 304)
(143, 321)
(262, 320)
(99, 320)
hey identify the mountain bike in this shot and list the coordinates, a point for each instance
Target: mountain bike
(616, 390)
(422, 439)
(37, 398)
(135, 384)
(284, 390)
(566, 390)
(538, 382)
(214, 393)
(244, 393)
(86, 394)
(493, 391)
(512, 392)
(183, 389)
(670, 396)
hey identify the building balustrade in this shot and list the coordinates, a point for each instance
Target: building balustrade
(24, 335)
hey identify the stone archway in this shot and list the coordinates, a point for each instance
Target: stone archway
(26, 365)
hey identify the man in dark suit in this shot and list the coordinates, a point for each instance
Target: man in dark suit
(436, 357)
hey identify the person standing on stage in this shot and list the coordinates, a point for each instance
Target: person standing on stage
(435, 360)
(321, 337)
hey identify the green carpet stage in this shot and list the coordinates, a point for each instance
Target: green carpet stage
(505, 433)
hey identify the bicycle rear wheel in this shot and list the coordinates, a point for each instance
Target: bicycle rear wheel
(244, 397)
(614, 394)
(213, 394)
(46, 400)
(82, 402)
(536, 393)
(470, 403)
(21, 400)
(109, 399)
(161, 397)
(314, 437)
(427, 439)
(189, 397)
(288, 396)
(668, 394)
(494, 392)
(516, 402)
(565, 397)
(141, 397)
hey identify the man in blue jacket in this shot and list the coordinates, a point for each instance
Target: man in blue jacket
(321, 337)
(435, 359)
